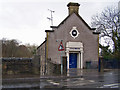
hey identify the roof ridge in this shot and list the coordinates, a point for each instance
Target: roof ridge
(79, 17)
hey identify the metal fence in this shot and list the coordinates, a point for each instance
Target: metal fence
(111, 64)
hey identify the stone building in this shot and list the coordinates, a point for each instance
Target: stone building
(79, 40)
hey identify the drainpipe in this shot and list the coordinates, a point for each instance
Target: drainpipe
(98, 46)
(47, 46)
(45, 55)
(46, 52)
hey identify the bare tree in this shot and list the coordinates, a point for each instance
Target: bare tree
(12, 48)
(32, 48)
(9, 47)
(107, 22)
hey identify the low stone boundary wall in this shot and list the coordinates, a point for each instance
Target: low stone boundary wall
(16, 66)
(55, 69)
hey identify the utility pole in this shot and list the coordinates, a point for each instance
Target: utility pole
(51, 18)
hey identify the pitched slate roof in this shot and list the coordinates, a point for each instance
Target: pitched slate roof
(41, 44)
(79, 18)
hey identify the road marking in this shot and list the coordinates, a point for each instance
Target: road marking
(82, 79)
(114, 85)
(54, 83)
(92, 81)
(111, 85)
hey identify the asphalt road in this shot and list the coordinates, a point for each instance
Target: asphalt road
(75, 79)
(84, 79)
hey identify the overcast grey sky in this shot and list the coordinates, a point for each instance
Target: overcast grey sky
(26, 20)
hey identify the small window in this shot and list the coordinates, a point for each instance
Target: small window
(74, 32)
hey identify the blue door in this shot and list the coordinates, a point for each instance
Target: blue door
(73, 60)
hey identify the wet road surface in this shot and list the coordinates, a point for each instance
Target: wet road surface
(75, 79)
(84, 79)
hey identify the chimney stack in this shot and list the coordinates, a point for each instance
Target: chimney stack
(73, 8)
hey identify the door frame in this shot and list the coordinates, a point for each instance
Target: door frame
(75, 47)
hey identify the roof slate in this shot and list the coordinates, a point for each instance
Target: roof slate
(79, 18)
